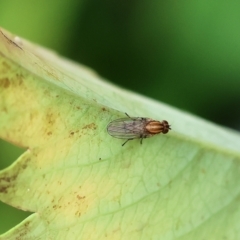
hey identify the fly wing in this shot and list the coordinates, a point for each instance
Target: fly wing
(126, 128)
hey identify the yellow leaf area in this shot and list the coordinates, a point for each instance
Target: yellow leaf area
(80, 183)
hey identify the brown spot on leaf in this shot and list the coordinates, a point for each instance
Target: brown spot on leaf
(6, 66)
(7, 182)
(90, 126)
(20, 78)
(50, 118)
(26, 224)
(80, 197)
(3, 189)
(78, 213)
(4, 109)
(8, 179)
(52, 74)
(4, 82)
(24, 166)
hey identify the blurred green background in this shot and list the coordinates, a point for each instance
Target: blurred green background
(184, 53)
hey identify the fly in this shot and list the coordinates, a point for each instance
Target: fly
(136, 127)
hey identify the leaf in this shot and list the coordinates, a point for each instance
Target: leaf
(80, 183)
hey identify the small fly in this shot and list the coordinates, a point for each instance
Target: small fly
(136, 127)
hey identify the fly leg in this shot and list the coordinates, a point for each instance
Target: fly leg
(142, 137)
(127, 141)
(129, 117)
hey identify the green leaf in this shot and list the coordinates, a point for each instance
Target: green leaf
(80, 183)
